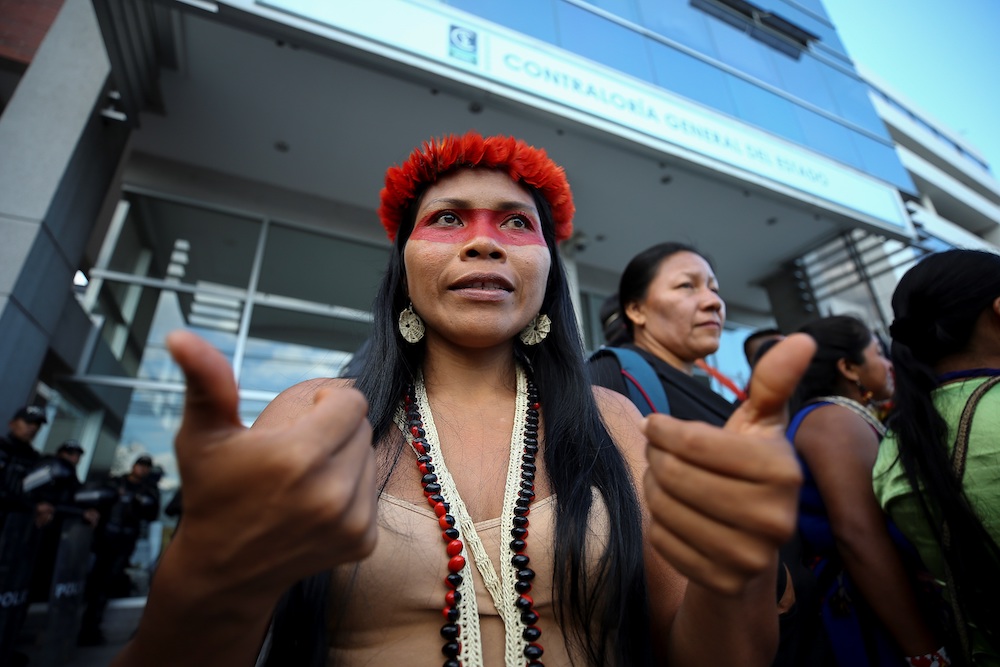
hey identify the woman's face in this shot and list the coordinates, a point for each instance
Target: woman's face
(875, 371)
(476, 262)
(681, 318)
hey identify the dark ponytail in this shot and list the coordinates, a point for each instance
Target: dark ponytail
(936, 306)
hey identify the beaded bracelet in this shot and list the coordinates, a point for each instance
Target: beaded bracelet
(938, 658)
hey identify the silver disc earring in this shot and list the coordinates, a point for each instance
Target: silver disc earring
(411, 327)
(536, 331)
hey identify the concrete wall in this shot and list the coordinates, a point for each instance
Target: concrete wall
(59, 158)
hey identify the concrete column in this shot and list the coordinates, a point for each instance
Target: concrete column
(789, 304)
(58, 160)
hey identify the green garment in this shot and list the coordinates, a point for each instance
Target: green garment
(981, 482)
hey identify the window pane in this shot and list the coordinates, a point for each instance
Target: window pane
(851, 100)
(321, 269)
(740, 51)
(624, 8)
(883, 162)
(765, 109)
(137, 320)
(829, 137)
(286, 347)
(675, 19)
(162, 239)
(802, 77)
(603, 41)
(693, 78)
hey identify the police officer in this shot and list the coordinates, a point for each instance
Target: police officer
(136, 500)
(54, 481)
(17, 458)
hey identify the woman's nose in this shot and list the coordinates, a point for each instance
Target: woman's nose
(483, 245)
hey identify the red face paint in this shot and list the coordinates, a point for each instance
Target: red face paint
(453, 225)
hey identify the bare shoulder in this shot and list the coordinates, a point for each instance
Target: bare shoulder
(834, 428)
(623, 421)
(295, 400)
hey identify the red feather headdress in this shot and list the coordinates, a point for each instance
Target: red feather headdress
(437, 157)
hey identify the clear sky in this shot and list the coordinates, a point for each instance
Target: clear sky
(943, 55)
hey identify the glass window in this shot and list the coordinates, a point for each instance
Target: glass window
(693, 78)
(801, 77)
(603, 41)
(740, 51)
(882, 162)
(625, 9)
(162, 239)
(851, 100)
(822, 29)
(730, 360)
(286, 347)
(530, 17)
(676, 20)
(829, 137)
(765, 109)
(319, 268)
(137, 320)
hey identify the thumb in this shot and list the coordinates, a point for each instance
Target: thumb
(776, 376)
(211, 399)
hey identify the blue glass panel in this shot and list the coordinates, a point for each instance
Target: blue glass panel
(677, 20)
(626, 9)
(531, 17)
(603, 41)
(815, 6)
(740, 51)
(882, 162)
(690, 77)
(829, 137)
(765, 109)
(801, 77)
(822, 29)
(851, 99)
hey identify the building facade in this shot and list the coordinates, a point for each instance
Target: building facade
(216, 165)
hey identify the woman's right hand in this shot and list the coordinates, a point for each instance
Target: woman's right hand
(268, 506)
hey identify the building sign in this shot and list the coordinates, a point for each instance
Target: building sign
(524, 65)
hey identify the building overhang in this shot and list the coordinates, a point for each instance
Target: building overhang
(320, 98)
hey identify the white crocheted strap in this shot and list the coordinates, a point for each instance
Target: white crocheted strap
(501, 588)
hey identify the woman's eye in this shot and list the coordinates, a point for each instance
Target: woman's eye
(518, 222)
(448, 219)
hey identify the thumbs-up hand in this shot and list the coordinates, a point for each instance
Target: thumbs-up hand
(268, 506)
(723, 500)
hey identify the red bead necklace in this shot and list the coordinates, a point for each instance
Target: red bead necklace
(451, 631)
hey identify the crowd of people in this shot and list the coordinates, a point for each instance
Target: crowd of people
(42, 502)
(477, 491)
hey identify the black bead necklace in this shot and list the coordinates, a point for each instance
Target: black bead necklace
(451, 631)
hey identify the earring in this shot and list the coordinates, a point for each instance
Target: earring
(536, 331)
(866, 394)
(411, 327)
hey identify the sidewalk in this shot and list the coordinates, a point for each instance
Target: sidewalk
(120, 621)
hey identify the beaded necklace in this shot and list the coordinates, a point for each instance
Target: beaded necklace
(463, 641)
(857, 409)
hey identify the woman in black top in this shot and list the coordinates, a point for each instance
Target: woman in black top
(669, 301)
(674, 315)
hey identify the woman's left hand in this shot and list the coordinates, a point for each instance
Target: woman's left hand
(723, 500)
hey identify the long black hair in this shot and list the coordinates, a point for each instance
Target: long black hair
(604, 613)
(837, 337)
(936, 306)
